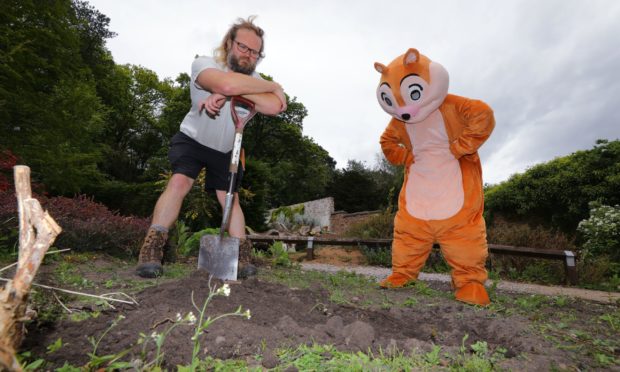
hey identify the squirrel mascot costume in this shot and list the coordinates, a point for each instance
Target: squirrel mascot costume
(436, 136)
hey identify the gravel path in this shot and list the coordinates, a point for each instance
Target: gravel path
(381, 273)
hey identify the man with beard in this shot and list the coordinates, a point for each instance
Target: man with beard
(206, 138)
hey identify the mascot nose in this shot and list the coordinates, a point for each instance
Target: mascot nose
(406, 116)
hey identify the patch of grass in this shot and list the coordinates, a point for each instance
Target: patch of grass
(67, 274)
(176, 271)
(137, 285)
(229, 365)
(477, 357)
(611, 319)
(317, 357)
(83, 315)
(342, 285)
(530, 303)
(48, 308)
(411, 302)
(377, 256)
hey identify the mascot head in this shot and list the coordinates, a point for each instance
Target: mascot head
(411, 87)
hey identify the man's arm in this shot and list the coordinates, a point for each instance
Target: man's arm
(268, 96)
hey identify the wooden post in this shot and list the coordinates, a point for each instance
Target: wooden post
(310, 248)
(570, 268)
(37, 232)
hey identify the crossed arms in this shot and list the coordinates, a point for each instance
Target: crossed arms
(268, 96)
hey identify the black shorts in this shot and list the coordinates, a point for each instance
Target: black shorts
(188, 157)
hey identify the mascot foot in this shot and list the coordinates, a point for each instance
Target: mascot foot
(473, 293)
(396, 280)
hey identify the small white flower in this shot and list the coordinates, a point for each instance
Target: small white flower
(121, 317)
(154, 335)
(191, 318)
(224, 290)
(247, 314)
(179, 318)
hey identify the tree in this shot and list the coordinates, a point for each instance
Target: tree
(51, 113)
(299, 169)
(354, 189)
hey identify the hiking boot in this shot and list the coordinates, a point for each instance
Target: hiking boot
(151, 254)
(245, 269)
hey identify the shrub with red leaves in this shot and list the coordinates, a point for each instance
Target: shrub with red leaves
(7, 162)
(90, 226)
(87, 225)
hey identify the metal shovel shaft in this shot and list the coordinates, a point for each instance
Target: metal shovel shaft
(218, 254)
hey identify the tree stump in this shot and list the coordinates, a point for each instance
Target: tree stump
(37, 232)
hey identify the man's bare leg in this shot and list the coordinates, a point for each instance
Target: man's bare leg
(166, 212)
(170, 201)
(236, 228)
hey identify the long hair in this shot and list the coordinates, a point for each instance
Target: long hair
(221, 52)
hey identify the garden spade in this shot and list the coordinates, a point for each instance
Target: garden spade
(218, 254)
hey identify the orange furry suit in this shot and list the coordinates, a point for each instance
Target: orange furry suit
(436, 136)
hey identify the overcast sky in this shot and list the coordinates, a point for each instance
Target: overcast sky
(549, 69)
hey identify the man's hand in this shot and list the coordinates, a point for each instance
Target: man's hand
(213, 104)
(279, 92)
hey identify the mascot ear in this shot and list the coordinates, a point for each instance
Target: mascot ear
(380, 68)
(411, 56)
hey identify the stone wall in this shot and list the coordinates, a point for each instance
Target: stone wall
(319, 211)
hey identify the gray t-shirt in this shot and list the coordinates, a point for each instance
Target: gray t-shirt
(216, 133)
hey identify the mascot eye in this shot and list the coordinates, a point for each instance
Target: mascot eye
(415, 91)
(386, 99)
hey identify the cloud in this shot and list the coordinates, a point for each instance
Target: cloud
(548, 69)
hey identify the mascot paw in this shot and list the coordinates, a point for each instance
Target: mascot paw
(473, 293)
(396, 280)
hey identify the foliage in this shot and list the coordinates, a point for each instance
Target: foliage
(205, 321)
(128, 198)
(50, 109)
(380, 226)
(508, 267)
(557, 193)
(297, 168)
(279, 255)
(601, 232)
(600, 253)
(377, 256)
(191, 245)
(288, 212)
(90, 226)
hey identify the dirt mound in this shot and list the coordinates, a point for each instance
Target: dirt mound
(282, 316)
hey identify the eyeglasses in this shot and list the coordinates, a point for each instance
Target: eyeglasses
(245, 49)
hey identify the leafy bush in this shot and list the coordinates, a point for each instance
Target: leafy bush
(557, 193)
(601, 232)
(378, 256)
(279, 255)
(380, 226)
(600, 255)
(87, 225)
(504, 232)
(523, 235)
(8, 222)
(90, 226)
(191, 245)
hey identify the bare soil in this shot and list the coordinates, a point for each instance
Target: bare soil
(534, 333)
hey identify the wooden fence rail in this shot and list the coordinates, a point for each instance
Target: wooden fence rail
(568, 257)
